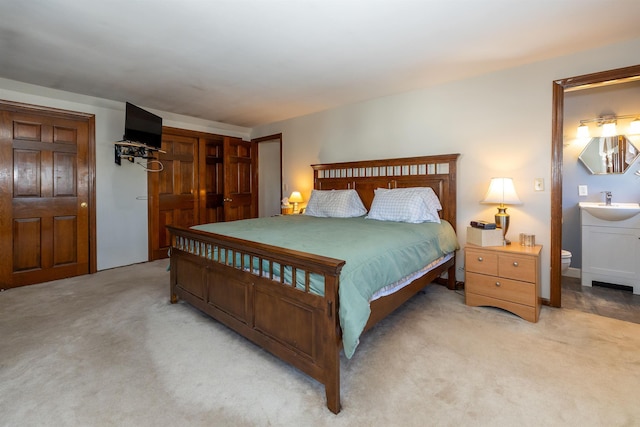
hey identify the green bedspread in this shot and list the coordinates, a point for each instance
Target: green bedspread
(377, 253)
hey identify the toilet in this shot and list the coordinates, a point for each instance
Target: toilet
(566, 261)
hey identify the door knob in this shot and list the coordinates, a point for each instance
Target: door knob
(83, 204)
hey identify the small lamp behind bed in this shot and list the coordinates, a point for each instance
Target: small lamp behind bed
(296, 198)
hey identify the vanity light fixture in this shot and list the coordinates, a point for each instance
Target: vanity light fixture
(296, 198)
(608, 124)
(583, 131)
(502, 191)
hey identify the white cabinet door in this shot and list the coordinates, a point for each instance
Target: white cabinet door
(611, 255)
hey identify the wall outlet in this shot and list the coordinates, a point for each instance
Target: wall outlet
(538, 184)
(582, 190)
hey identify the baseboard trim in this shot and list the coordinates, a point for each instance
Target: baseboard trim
(573, 272)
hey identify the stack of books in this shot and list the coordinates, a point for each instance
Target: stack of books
(485, 225)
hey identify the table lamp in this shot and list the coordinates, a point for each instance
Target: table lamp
(502, 191)
(296, 198)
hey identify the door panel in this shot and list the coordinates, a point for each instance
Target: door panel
(64, 234)
(65, 172)
(46, 205)
(26, 173)
(26, 244)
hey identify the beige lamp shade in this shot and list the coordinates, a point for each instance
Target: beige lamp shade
(502, 191)
(295, 198)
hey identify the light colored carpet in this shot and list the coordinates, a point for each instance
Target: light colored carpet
(109, 349)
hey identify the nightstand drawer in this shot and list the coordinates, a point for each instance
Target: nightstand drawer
(484, 262)
(517, 267)
(504, 289)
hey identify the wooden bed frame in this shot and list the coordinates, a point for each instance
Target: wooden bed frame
(300, 327)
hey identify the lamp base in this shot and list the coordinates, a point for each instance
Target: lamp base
(502, 221)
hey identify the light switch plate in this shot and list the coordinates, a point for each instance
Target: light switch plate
(538, 184)
(582, 190)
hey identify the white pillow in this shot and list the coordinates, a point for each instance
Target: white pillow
(335, 204)
(414, 205)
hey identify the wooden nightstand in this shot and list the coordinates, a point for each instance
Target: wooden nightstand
(507, 277)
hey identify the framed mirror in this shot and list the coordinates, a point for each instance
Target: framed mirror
(609, 155)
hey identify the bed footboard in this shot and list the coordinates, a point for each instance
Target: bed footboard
(243, 285)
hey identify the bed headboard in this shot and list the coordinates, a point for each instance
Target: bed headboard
(437, 172)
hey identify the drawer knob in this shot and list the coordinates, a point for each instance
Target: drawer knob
(498, 284)
(480, 259)
(515, 263)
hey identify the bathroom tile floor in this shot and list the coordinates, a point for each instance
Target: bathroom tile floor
(607, 302)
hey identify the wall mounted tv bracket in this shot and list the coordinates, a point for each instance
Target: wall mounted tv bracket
(130, 150)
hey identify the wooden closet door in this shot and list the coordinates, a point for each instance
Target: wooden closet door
(44, 198)
(240, 187)
(211, 175)
(172, 192)
(205, 178)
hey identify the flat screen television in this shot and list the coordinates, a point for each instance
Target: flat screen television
(142, 127)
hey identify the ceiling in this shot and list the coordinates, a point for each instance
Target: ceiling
(251, 62)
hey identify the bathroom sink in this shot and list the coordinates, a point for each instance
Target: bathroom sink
(612, 212)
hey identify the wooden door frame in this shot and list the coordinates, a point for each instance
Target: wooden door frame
(586, 81)
(257, 141)
(19, 107)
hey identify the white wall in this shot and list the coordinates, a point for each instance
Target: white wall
(499, 122)
(121, 191)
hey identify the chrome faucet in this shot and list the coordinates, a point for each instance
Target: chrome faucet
(607, 195)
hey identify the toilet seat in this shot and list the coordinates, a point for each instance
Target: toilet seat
(565, 254)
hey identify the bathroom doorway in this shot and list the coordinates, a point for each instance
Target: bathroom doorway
(560, 88)
(269, 175)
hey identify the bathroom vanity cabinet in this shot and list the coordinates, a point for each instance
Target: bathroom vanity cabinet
(610, 251)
